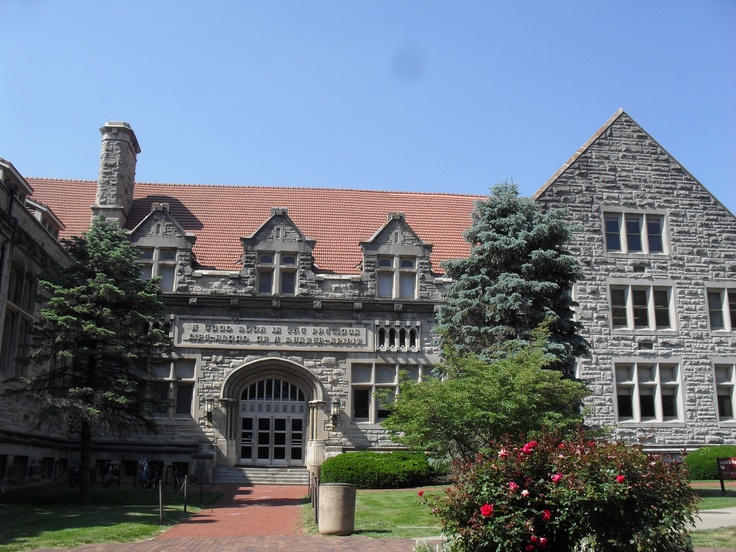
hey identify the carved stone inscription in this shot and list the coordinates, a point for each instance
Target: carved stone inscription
(220, 333)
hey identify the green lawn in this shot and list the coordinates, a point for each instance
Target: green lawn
(388, 514)
(52, 517)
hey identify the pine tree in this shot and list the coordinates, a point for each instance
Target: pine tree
(517, 277)
(90, 361)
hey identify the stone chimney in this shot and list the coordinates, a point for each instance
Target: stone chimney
(116, 177)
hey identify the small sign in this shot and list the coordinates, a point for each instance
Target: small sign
(726, 470)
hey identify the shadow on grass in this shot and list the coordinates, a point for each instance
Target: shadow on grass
(34, 517)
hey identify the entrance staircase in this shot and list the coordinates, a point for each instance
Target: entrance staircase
(249, 477)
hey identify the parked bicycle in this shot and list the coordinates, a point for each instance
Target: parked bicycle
(148, 474)
(111, 473)
(75, 475)
(173, 474)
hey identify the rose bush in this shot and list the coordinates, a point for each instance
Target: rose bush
(563, 496)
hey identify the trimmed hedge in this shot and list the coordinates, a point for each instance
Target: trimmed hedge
(702, 464)
(377, 470)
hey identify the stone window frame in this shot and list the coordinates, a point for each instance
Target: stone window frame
(159, 260)
(632, 307)
(176, 379)
(645, 236)
(381, 376)
(283, 270)
(723, 306)
(20, 307)
(649, 377)
(724, 384)
(396, 276)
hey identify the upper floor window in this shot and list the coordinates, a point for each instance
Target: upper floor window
(725, 375)
(159, 261)
(276, 273)
(396, 277)
(641, 307)
(398, 336)
(634, 232)
(648, 392)
(722, 309)
(19, 312)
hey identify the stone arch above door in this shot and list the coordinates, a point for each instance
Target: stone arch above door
(250, 372)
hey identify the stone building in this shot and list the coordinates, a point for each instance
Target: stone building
(658, 300)
(28, 246)
(290, 307)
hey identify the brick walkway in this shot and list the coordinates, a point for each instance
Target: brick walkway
(251, 519)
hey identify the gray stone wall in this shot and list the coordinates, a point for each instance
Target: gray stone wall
(625, 168)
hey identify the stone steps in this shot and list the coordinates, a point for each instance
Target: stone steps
(262, 476)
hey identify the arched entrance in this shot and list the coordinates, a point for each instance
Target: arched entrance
(273, 423)
(273, 411)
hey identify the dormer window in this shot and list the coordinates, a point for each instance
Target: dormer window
(396, 277)
(159, 261)
(276, 273)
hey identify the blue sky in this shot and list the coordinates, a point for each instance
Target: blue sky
(403, 95)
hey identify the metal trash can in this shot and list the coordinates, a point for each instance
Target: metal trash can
(336, 512)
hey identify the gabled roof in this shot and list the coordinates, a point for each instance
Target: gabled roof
(338, 219)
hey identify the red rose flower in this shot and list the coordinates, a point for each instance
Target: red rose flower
(620, 478)
(486, 510)
(546, 515)
(556, 477)
(420, 494)
(543, 542)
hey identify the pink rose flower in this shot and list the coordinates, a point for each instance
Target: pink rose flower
(543, 542)
(486, 510)
(620, 478)
(529, 447)
(503, 453)
(525, 493)
(556, 477)
(513, 487)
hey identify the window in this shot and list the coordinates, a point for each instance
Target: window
(396, 277)
(369, 380)
(634, 232)
(641, 307)
(722, 309)
(647, 392)
(159, 261)
(725, 375)
(19, 311)
(277, 273)
(398, 336)
(174, 382)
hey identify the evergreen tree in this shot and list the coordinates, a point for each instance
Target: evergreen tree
(518, 276)
(90, 361)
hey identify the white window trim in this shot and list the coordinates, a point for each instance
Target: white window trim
(156, 262)
(621, 214)
(717, 364)
(657, 384)
(729, 325)
(649, 287)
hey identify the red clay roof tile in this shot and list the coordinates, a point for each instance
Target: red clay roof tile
(339, 219)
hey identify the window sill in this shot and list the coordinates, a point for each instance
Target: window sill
(627, 331)
(651, 423)
(637, 255)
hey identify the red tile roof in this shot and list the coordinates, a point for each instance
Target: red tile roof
(219, 216)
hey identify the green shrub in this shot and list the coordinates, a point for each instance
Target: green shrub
(562, 496)
(702, 463)
(377, 470)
